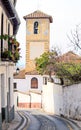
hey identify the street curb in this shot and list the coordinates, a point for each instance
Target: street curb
(69, 120)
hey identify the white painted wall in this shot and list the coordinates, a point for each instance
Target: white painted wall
(3, 85)
(35, 98)
(10, 75)
(22, 98)
(58, 99)
(24, 85)
(72, 101)
(40, 81)
(27, 98)
(6, 72)
(52, 101)
(62, 100)
(47, 97)
(21, 84)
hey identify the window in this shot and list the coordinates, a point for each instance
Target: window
(44, 80)
(9, 45)
(34, 83)
(15, 85)
(2, 21)
(36, 27)
(6, 25)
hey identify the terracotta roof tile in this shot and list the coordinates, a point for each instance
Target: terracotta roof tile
(34, 72)
(21, 75)
(38, 14)
(23, 72)
(70, 57)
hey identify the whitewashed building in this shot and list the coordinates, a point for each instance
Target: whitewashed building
(25, 94)
(9, 23)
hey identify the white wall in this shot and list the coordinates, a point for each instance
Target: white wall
(22, 98)
(3, 85)
(47, 97)
(58, 99)
(62, 100)
(24, 85)
(35, 98)
(27, 100)
(21, 84)
(52, 98)
(6, 73)
(10, 75)
(72, 101)
(40, 81)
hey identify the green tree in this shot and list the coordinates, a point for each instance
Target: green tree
(45, 64)
(70, 71)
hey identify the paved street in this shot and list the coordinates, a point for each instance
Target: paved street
(48, 122)
(38, 120)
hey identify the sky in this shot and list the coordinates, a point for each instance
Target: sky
(66, 15)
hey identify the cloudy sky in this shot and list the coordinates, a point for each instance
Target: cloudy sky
(66, 15)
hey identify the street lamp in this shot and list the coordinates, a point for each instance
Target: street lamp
(17, 70)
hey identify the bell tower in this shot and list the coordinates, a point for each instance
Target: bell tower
(37, 37)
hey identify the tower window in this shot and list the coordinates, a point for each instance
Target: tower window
(36, 27)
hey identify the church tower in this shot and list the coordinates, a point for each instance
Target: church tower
(37, 37)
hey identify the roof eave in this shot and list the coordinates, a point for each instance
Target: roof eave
(50, 18)
(12, 14)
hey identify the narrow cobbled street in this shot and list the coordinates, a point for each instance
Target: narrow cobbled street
(38, 120)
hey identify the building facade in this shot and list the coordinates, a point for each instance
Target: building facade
(9, 23)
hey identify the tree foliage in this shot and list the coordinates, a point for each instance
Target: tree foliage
(42, 62)
(48, 63)
(69, 71)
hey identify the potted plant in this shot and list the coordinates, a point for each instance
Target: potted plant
(16, 56)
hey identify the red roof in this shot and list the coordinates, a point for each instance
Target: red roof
(38, 14)
(70, 57)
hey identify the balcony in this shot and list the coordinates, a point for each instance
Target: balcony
(11, 52)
